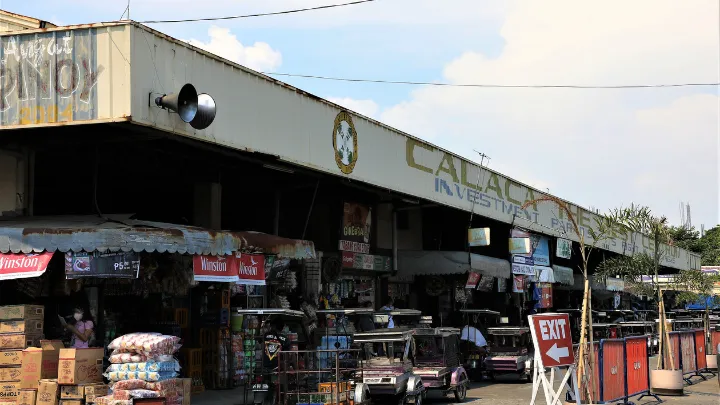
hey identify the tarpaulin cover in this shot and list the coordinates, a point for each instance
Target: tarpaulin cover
(436, 262)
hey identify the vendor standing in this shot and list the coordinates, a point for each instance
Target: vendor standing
(82, 329)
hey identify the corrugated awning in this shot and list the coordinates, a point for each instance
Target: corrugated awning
(563, 275)
(436, 262)
(119, 233)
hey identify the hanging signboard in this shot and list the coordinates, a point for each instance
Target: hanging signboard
(479, 237)
(102, 265)
(13, 266)
(361, 261)
(486, 283)
(518, 284)
(222, 269)
(563, 249)
(357, 219)
(519, 246)
(539, 253)
(546, 295)
(251, 269)
(472, 280)
(356, 247)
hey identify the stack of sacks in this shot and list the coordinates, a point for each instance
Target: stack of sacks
(127, 390)
(143, 366)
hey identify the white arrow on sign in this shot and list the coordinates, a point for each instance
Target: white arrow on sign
(556, 352)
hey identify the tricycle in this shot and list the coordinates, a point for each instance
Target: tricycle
(476, 322)
(438, 363)
(510, 352)
(387, 370)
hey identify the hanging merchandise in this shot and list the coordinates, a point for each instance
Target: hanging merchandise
(542, 293)
(518, 284)
(434, 286)
(502, 285)
(472, 280)
(486, 283)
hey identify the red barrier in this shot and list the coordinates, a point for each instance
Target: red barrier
(700, 349)
(636, 364)
(715, 341)
(612, 362)
(687, 352)
(675, 348)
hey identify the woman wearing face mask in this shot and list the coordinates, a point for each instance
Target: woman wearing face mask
(82, 330)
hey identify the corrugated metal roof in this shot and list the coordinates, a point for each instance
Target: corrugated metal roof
(437, 262)
(119, 233)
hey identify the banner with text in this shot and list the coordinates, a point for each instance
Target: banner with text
(20, 265)
(252, 269)
(102, 265)
(539, 249)
(223, 269)
(356, 224)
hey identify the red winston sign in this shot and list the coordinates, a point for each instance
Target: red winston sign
(22, 266)
(238, 268)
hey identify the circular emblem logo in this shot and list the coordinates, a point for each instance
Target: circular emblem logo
(345, 143)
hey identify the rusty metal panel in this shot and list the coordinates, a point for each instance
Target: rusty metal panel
(57, 77)
(120, 233)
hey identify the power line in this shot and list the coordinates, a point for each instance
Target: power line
(500, 86)
(299, 10)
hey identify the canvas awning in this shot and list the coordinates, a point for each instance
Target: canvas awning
(563, 275)
(117, 233)
(437, 262)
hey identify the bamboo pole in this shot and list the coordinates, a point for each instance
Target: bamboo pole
(592, 345)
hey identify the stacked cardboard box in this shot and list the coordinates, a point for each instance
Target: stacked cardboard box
(21, 326)
(48, 392)
(80, 375)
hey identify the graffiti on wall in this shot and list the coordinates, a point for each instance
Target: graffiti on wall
(48, 77)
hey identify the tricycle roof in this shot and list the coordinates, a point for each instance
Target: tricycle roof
(632, 324)
(346, 311)
(508, 330)
(443, 332)
(481, 311)
(384, 335)
(268, 311)
(400, 312)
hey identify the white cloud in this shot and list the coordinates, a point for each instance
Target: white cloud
(367, 108)
(593, 147)
(260, 56)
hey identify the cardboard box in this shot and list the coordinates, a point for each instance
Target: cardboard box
(28, 327)
(20, 312)
(27, 397)
(186, 391)
(71, 402)
(11, 374)
(72, 392)
(95, 390)
(19, 341)
(80, 366)
(9, 391)
(47, 392)
(10, 357)
(40, 364)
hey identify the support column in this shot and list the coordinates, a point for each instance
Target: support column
(208, 205)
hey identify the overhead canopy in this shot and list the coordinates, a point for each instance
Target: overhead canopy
(437, 262)
(563, 275)
(119, 233)
(703, 302)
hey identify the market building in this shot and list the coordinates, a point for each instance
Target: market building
(103, 164)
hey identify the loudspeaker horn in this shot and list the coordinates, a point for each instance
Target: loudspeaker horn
(185, 102)
(205, 112)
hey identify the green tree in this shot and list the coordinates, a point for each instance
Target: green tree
(709, 247)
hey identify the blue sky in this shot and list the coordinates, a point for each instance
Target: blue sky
(597, 148)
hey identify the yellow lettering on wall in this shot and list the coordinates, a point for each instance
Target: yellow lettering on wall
(508, 195)
(39, 114)
(464, 179)
(410, 145)
(494, 186)
(530, 196)
(447, 165)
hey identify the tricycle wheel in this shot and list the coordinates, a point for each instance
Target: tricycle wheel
(419, 399)
(460, 393)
